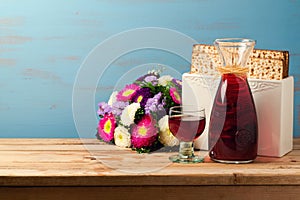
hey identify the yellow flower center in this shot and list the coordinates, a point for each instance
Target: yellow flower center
(177, 96)
(128, 92)
(120, 137)
(139, 99)
(142, 131)
(107, 126)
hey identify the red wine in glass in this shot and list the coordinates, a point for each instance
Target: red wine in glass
(186, 128)
(186, 123)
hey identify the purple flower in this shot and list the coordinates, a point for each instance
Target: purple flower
(177, 83)
(118, 107)
(103, 109)
(142, 95)
(151, 79)
(154, 104)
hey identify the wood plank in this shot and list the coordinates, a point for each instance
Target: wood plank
(36, 179)
(41, 147)
(66, 162)
(152, 192)
(47, 141)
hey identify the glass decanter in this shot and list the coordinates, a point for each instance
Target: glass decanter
(233, 120)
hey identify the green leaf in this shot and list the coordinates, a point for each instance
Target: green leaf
(138, 115)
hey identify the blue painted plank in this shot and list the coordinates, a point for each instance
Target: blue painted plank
(43, 44)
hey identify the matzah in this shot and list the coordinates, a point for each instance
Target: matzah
(263, 64)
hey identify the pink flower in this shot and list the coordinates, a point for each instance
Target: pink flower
(126, 93)
(175, 95)
(144, 134)
(106, 127)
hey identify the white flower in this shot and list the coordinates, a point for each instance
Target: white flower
(127, 116)
(167, 139)
(112, 98)
(163, 123)
(122, 137)
(165, 135)
(153, 71)
(163, 80)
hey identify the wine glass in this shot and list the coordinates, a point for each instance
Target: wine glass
(186, 123)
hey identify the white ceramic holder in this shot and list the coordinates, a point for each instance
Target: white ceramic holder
(274, 102)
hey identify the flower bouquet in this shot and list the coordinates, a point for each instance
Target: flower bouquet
(137, 116)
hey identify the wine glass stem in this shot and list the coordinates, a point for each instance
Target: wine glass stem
(186, 150)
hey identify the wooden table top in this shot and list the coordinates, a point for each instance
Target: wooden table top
(68, 162)
(72, 163)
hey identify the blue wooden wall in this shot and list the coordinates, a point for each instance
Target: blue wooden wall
(44, 43)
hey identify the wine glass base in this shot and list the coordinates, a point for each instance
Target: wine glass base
(185, 159)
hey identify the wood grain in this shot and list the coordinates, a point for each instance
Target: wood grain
(64, 169)
(66, 162)
(152, 192)
(51, 168)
